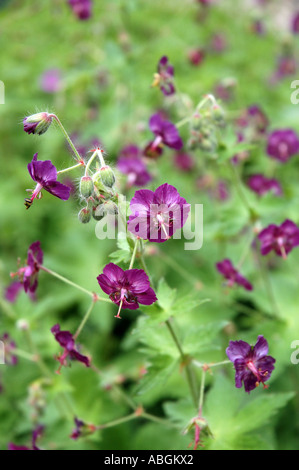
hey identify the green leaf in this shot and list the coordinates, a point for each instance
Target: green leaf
(161, 368)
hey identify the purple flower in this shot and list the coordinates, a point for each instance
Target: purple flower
(257, 118)
(12, 291)
(9, 346)
(27, 275)
(166, 134)
(37, 123)
(164, 77)
(233, 276)
(218, 42)
(258, 27)
(81, 8)
(283, 144)
(35, 436)
(130, 163)
(280, 238)
(67, 342)
(183, 161)
(51, 81)
(156, 215)
(261, 185)
(127, 288)
(251, 363)
(136, 171)
(286, 66)
(196, 56)
(82, 429)
(44, 174)
(295, 23)
(130, 151)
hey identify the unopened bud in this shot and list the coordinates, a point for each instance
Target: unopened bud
(107, 176)
(37, 123)
(84, 215)
(98, 212)
(86, 186)
(97, 181)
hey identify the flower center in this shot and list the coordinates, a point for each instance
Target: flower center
(258, 373)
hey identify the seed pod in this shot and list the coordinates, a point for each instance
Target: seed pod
(107, 176)
(86, 186)
(84, 215)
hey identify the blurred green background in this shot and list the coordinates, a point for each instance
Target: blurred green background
(107, 65)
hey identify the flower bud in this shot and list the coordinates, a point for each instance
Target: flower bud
(86, 186)
(97, 181)
(37, 123)
(107, 176)
(84, 215)
(98, 212)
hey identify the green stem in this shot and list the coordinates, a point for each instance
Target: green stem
(70, 168)
(85, 318)
(183, 121)
(212, 364)
(94, 155)
(116, 422)
(238, 186)
(268, 286)
(67, 137)
(189, 371)
(202, 391)
(125, 397)
(73, 284)
(156, 419)
(134, 253)
(44, 369)
(25, 355)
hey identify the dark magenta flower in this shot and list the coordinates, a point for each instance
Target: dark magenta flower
(35, 436)
(196, 56)
(12, 291)
(283, 144)
(127, 288)
(37, 123)
(81, 8)
(164, 77)
(9, 347)
(50, 81)
(136, 170)
(286, 66)
(232, 275)
(44, 174)
(295, 23)
(257, 118)
(156, 215)
(82, 429)
(280, 238)
(130, 163)
(27, 275)
(251, 363)
(218, 42)
(183, 161)
(262, 185)
(258, 27)
(166, 134)
(67, 342)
